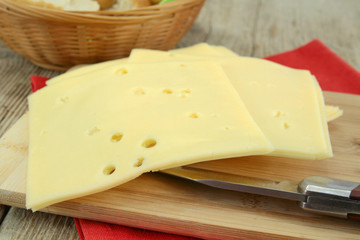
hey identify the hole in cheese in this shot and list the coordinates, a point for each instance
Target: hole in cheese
(116, 137)
(63, 99)
(278, 114)
(93, 131)
(286, 125)
(167, 91)
(149, 143)
(193, 115)
(121, 71)
(184, 93)
(109, 170)
(182, 65)
(139, 162)
(139, 91)
(186, 90)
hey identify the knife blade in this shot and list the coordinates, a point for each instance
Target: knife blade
(317, 194)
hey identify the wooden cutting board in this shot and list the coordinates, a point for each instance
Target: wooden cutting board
(158, 202)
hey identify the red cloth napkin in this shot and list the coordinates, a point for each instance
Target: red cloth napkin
(333, 74)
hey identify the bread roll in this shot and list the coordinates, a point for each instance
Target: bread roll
(129, 4)
(90, 5)
(105, 4)
(68, 5)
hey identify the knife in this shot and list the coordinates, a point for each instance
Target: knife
(317, 194)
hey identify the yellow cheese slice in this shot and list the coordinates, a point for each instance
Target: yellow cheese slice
(333, 112)
(224, 52)
(286, 103)
(202, 49)
(107, 127)
(81, 70)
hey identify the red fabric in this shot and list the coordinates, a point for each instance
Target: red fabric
(333, 74)
(37, 82)
(99, 231)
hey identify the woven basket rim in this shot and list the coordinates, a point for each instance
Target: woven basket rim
(84, 20)
(27, 11)
(149, 11)
(58, 39)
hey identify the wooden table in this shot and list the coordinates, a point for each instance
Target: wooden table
(255, 28)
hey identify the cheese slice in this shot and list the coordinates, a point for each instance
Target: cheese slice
(81, 70)
(106, 127)
(202, 49)
(286, 103)
(224, 52)
(333, 112)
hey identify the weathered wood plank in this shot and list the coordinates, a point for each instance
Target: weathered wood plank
(21, 224)
(15, 72)
(284, 25)
(3, 211)
(261, 28)
(230, 23)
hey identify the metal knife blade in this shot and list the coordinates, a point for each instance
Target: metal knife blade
(317, 194)
(284, 189)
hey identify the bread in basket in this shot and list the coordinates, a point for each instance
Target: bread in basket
(58, 40)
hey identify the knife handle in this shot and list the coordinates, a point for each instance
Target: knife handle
(354, 217)
(330, 196)
(355, 195)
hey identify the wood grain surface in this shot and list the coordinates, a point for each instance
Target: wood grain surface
(3, 211)
(36, 226)
(249, 27)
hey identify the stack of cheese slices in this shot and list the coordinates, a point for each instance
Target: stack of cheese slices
(102, 125)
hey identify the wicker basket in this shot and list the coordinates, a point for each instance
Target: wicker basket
(58, 40)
